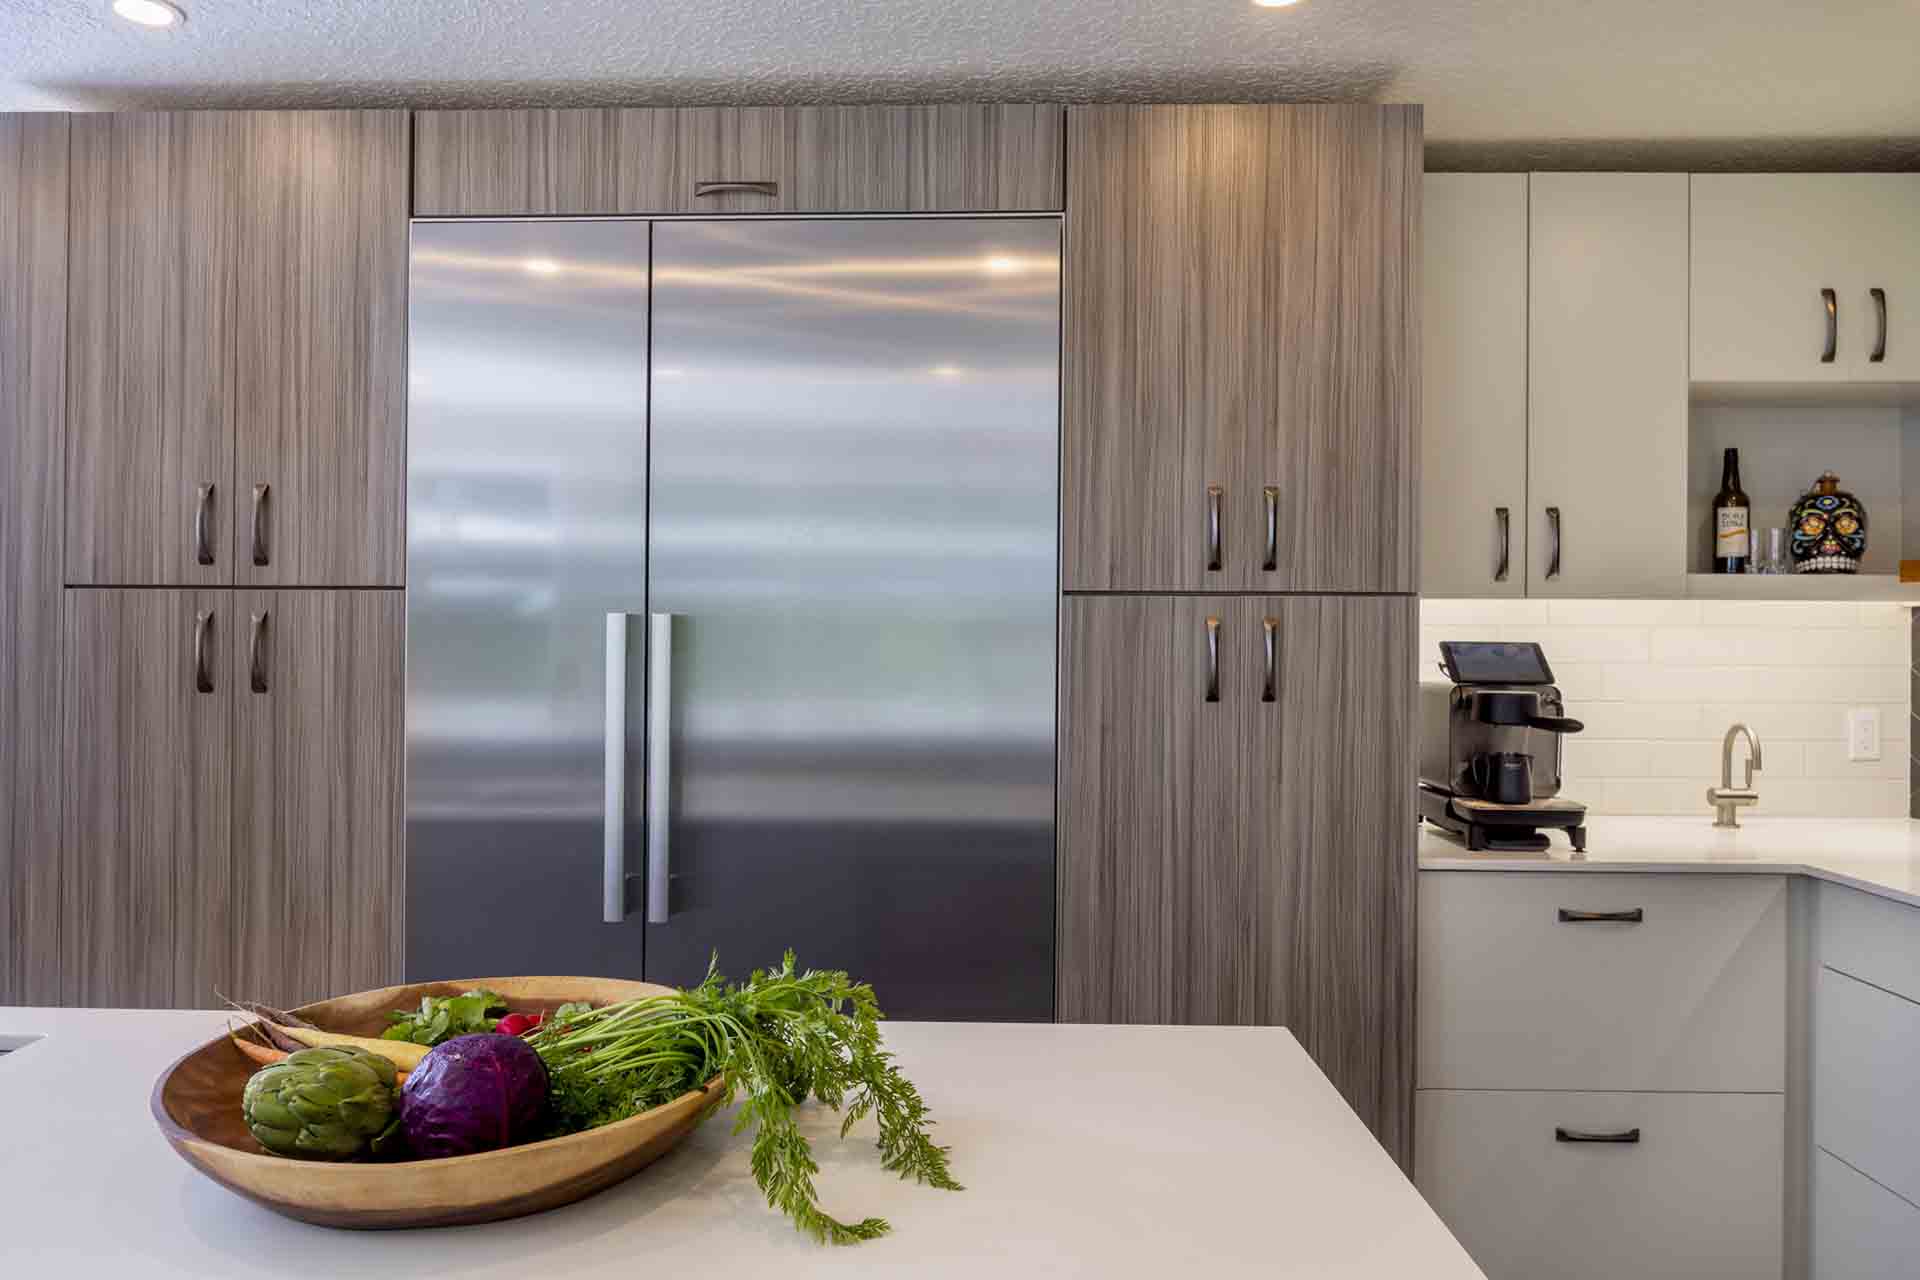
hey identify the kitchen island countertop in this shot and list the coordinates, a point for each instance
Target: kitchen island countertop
(1878, 855)
(1086, 1150)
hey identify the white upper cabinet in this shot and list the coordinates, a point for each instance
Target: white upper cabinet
(1554, 434)
(1607, 384)
(1785, 273)
(1473, 437)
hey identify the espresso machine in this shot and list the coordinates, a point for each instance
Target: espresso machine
(1490, 749)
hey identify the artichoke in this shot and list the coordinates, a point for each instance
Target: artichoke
(321, 1104)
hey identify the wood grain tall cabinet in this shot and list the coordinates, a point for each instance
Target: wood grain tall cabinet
(33, 333)
(231, 535)
(1240, 528)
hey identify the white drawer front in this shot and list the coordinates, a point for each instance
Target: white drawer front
(1698, 1196)
(1873, 939)
(1861, 1230)
(1511, 997)
(1866, 1081)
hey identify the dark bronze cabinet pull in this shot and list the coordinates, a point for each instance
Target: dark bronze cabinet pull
(1879, 353)
(262, 553)
(1621, 1137)
(722, 188)
(257, 654)
(1214, 496)
(1832, 301)
(1213, 660)
(1270, 687)
(1272, 495)
(1553, 554)
(203, 525)
(1632, 915)
(202, 660)
(1503, 520)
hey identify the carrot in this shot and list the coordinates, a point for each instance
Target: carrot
(260, 1053)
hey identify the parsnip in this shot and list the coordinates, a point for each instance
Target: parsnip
(403, 1054)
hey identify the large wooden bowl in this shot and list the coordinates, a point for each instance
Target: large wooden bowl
(197, 1105)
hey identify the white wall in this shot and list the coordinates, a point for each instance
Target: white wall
(1658, 682)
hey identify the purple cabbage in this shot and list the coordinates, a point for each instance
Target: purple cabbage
(473, 1093)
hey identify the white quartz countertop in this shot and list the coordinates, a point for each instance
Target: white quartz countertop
(1879, 855)
(1086, 1151)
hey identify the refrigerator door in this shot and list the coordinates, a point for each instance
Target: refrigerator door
(526, 529)
(855, 505)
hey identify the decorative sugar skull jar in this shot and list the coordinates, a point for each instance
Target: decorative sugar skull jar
(1829, 529)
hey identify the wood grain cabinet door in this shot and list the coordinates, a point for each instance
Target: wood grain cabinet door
(237, 319)
(33, 307)
(956, 158)
(1330, 792)
(144, 907)
(150, 318)
(1241, 363)
(318, 689)
(318, 406)
(1236, 825)
(1145, 816)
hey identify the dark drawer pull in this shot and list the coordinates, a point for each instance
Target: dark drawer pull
(1212, 691)
(1632, 915)
(262, 552)
(203, 525)
(1215, 494)
(723, 188)
(202, 664)
(1271, 494)
(1618, 1137)
(257, 654)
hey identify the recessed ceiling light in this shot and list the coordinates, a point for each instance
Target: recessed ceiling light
(149, 13)
(1002, 265)
(541, 266)
(1276, 4)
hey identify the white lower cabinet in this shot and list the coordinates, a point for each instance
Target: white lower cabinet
(1699, 1195)
(1602, 1072)
(1861, 1230)
(1866, 1073)
(1609, 981)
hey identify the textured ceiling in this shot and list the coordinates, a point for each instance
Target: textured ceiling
(1668, 83)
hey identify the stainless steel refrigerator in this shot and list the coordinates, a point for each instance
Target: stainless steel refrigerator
(731, 584)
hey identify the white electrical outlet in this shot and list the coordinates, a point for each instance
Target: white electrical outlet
(1863, 733)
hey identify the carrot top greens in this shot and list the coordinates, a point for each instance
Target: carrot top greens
(770, 1040)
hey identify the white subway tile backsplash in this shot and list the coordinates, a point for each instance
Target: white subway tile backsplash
(1829, 797)
(1829, 760)
(1595, 644)
(1777, 613)
(1585, 757)
(1638, 721)
(1617, 613)
(1458, 613)
(1659, 682)
(1883, 614)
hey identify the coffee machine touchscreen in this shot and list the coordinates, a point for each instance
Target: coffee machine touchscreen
(1485, 662)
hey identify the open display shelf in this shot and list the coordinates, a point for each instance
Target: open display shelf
(1802, 586)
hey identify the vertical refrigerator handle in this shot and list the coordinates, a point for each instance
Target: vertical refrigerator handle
(659, 764)
(614, 831)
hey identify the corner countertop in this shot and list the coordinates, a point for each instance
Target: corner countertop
(1878, 855)
(1086, 1150)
